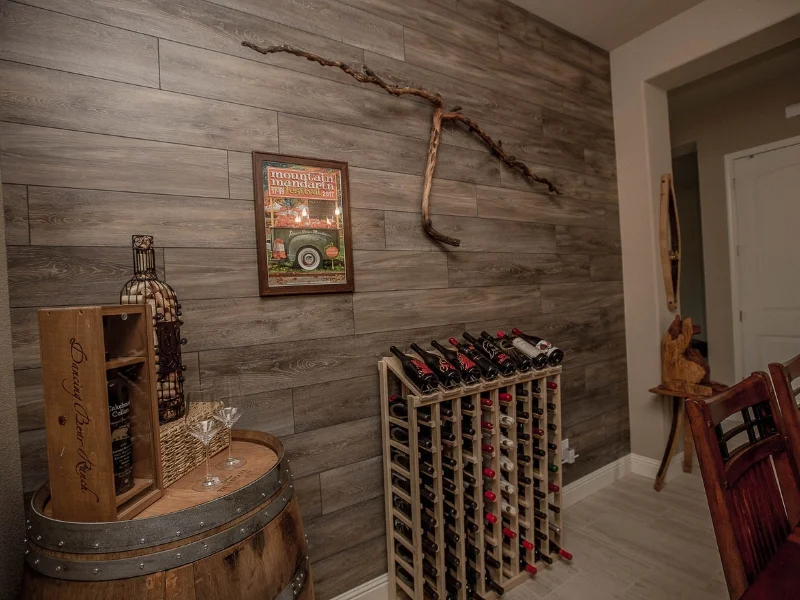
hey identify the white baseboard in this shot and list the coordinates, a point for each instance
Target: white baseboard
(595, 481)
(648, 467)
(375, 589)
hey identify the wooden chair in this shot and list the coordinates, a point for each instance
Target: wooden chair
(783, 377)
(754, 507)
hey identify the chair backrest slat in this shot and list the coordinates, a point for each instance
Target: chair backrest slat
(753, 489)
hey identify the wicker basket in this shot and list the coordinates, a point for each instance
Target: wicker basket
(180, 452)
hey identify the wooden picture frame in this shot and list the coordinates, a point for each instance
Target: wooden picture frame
(303, 234)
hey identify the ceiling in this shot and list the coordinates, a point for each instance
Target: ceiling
(606, 23)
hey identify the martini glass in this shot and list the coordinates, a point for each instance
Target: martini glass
(203, 426)
(229, 411)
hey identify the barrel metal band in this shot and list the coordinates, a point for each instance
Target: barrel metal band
(108, 570)
(122, 536)
(297, 584)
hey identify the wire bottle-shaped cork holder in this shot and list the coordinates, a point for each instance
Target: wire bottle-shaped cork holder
(179, 451)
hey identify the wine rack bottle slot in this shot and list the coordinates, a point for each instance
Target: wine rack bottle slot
(473, 477)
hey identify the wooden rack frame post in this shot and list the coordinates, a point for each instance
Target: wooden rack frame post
(410, 579)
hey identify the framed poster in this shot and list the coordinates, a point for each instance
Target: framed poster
(302, 225)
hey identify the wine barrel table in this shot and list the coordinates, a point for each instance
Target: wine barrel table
(243, 541)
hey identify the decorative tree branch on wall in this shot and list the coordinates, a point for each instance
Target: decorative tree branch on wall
(440, 115)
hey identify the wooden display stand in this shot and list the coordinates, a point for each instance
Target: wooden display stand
(74, 343)
(466, 450)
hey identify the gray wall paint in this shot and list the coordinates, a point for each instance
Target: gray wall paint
(120, 118)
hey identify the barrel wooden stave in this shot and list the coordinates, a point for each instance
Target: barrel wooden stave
(259, 567)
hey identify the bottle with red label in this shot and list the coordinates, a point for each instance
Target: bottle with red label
(554, 355)
(490, 350)
(488, 370)
(470, 372)
(446, 373)
(417, 371)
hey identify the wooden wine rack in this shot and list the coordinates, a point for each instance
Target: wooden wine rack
(406, 578)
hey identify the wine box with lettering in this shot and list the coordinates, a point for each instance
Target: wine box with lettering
(472, 480)
(101, 411)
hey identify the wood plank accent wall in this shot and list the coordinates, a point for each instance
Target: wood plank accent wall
(121, 117)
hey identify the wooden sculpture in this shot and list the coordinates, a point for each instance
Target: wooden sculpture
(440, 116)
(683, 368)
(670, 234)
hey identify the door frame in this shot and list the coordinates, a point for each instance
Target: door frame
(733, 240)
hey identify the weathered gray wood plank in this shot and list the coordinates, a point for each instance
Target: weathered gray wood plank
(55, 157)
(502, 16)
(432, 19)
(382, 151)
(232, 322)
(25, 338)
(600, 63)
(600, 163)
(240, 175)
(398, 270)
(308, 495)
(516, 205)
(69, 276)
(550, 66)
(587, 240)
(351, 484)
(345, 529)
(578, 131)
(606, 372)
(330, 447)
(606, 268)
(602, 189)
(326, 404)
(468, 269)
(572, 184)
(47, 39)
(33, 454)
(579, 296)
(276, 366)
(398, 191)
(70, 217)
(233, 79)
(49, 98)
(30, 406)
(350, 568)
(208, 25)
(428, 52)
(330, 19)
(399, 309)
(202, 273)
(403, 232)
(15, 212)
(270, 412)
(585, 107)
(368, 228)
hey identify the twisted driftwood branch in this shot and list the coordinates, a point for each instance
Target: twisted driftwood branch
(367, 75)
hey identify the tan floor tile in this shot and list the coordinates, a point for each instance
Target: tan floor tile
(588, 587)
(597, 558)
(666, 583)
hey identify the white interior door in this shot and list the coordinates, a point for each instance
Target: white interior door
(767, 197)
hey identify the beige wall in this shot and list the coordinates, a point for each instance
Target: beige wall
(641, 127)
(11, 515)
(747, 118)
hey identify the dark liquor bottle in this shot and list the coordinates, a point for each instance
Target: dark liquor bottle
(444, 371)
(554, 508)
(417, 371)
(451, 560)
(539, 452)
(524, 362)
(405, 485)
(543, 557)
(448, 435)
(468, 479)
(488, 370)
(560, 551)
(554, 528)
(466, 427)
(539, 494)
(490, 350)
(119, 412)
(523, 479)
(552, 427)
(400, 435)
(451, 536)
(539, 535)
(470, 372)
(493, 585)
(539, 514)
(405, 508)
(554, 355)
(537, 355)
(449, 461)
(522, 434)
(537, 412)
(521, 391)
(402, 460)
(467, 405)
(551, 446)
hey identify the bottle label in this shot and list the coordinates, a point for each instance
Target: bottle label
(465, 362)
(526, 348)
(444, 365)
(119, 409)
(423, 368)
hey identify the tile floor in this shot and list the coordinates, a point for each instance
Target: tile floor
(633, 543)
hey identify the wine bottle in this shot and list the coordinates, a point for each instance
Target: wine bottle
(552, 468)
(488, 370)
(499, 359)
(417, 371)
(506, 464)
(447, 434)
(451, 559)
(449, 461)
(537, 355)
(553, 487)
(487, 472)
(402, 460)
(506, 486)
(526, 545)
(522, 415)
(405, 508)
(539, 494)
(554, 508)
(551, 407)
(509, 533)
(526, 566)
(539, 514)
(451, 536)
(537, 411)
(466, 427)
(490, 518)
(506, 421)
(543, 557)
(491, 562)
(560, 551)
(471, 527)
(522, 434)
(490, 495)
(552, 446)
(469, 371)
(119, 411)
(445, 411)
(487, 402)
(486, 426)
(539, 452)
(452, 582)
(467, 405)
(539, 535)
(446, 373)
(523, 459)
(554, 528)
(505, 397)
(507, 508)
(488, 448)
(524, 362)
(537, 432)
(468, 479)
(493, 585)
(552, 427)
(521, 391)
(552, 385)
(405, 485)
(554, 355)
(506, 442)
(400, 435)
